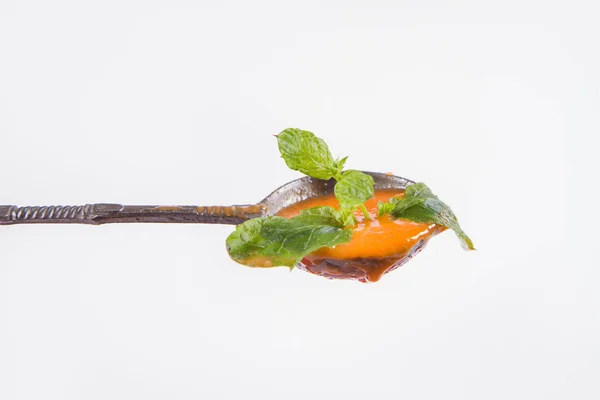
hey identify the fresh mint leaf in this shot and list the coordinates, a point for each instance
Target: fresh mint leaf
(352, 190)
(247, 246)
(347, 215)
(419, 204)
(339, 165)
(385, 208)
(304, 152)
(301, 236)
(321, 215)
(278, 241)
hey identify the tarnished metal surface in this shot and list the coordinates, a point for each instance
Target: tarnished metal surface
(305, 188)
(98, 214)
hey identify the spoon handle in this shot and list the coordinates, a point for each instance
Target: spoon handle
(98, 214)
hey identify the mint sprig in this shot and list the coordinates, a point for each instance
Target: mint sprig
(419, 204)
(277, 241)
(304, 152)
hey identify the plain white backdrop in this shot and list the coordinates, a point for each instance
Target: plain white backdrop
(148, 102)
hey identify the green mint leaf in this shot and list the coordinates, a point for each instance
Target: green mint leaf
(385, 208)
(304, 152)
(339, 165)
(324, 215)
(247, 246)
(347, 215)
(419, 204)
(352, 190)
(302, 237)
(278, 241)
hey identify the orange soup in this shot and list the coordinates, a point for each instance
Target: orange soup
(378, 245)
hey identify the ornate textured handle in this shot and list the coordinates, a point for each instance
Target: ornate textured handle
(47, 214)
(97, 214)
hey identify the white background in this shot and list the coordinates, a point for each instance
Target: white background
(493, 104)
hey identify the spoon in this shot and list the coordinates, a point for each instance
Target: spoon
(98, 214)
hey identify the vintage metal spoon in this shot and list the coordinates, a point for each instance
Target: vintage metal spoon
(98, 214)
